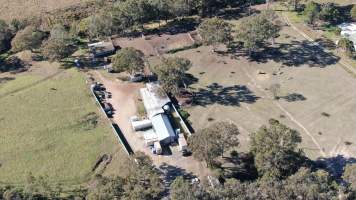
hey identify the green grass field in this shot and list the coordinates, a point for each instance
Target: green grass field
(43, 132)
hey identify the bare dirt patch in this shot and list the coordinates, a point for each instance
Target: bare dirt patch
(154, 45)
(301, 70)
(21, 9)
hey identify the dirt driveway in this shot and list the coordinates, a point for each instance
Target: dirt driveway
(123, 101)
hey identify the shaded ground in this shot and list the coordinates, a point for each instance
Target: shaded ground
(295, 54)
(228, 96)
(154, 45)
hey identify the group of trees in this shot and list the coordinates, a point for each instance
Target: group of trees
(253, 31)
(171, 73)
(304, 184)
(215, 31)
(18, 36)
(213, 141)
(128, 59)
(274, 148)
(5, 36)
(130, 15)
(283, 170)
(142, 182)
(329, 13)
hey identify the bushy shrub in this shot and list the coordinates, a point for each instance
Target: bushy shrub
(347, 46)
(5, 36)
(27, 39)
(353, 13)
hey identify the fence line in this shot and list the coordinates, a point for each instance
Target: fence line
(118, 133)
(182, 122)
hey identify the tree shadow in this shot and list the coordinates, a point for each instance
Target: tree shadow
(189, 79)
(237, 12)
(295, 54)
(326, 43)
(13, 65)
(292, 97)
(228, 96)
(6, 79)
(335, 165)
(241, 167)
(176, 26)
(170, 173)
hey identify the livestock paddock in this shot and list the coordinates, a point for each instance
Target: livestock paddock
(154, 45)
(317, 96)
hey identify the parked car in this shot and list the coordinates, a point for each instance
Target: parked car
(108, 109)
(136, 78)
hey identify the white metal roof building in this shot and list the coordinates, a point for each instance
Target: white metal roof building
(154, 103)
(163, 128)
(348, 30)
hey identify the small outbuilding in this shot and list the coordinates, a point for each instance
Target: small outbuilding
(102, 49)
(348, 30)
(155, 103)
(163, 128)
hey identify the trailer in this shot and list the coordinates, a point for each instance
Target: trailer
(182, 142)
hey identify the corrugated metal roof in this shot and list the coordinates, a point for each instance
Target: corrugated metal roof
(162, 127)
(152, 101)
(349, 30)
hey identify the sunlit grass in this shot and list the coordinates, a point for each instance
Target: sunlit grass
(41, 131)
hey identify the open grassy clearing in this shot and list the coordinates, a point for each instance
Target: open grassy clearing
(21, 9)
(44, 130)
(327, 37)
(228, 87)
(341, 2)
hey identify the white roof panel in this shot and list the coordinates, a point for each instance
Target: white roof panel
(152, 101)
(162, 127)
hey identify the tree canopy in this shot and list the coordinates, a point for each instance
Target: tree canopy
(311, 12)
(181, 189)
(59, 45)
(350, 175)
(275, 150)
(255, 30)
(171, 73)
(330, 13)
(353, 12)
(212, 141)
(27, 39)
(347, 46)
(99, 25)
(5, 36)
(214, 31)
(128, 59)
